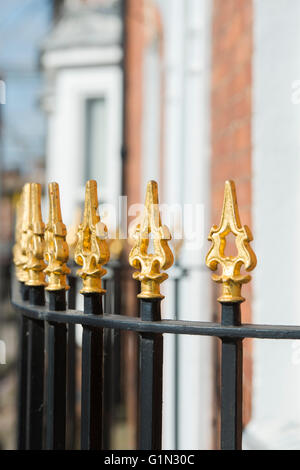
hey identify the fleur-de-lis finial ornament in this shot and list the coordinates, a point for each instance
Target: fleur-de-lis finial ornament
(18, 253)
(34, 229)
(56, 248)
(231, 277)
(91, 251)
(149, 265)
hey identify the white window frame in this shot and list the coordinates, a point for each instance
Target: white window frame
(66, 152)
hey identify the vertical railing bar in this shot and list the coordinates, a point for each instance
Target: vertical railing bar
(151, 362)
(107, 371)
(92, 253)
(24, 290)
(22, 383)
(35, 374)
(92, 377)
(56, 376)
(232, 279)
(176, 369)
(136, 341)
(36, 295)
(231, 382)
(117, 337)
(22, 373)
(108, 389)
(71, 370)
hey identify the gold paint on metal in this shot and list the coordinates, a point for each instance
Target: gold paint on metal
(26, 202)
(231, 277)
(92, 250)
(33, 235)
(150, 264)
(19, 254)
(56, 248)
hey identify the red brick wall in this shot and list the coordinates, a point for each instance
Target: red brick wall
(231, 109)
(135, 40)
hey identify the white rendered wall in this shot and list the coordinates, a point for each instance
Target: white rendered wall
(151, 136)
(276, 222)
(186, 181)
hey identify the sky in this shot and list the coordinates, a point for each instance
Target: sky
(23, 25)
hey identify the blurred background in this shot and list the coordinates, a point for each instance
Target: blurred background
(189, 93)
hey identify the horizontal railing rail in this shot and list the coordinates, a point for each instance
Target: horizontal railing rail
(123, 322)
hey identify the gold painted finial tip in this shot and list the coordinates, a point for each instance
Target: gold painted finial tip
(56, 247)
(91, 192)
(91, 185)
(33, 235)
(149, 265)
(231, 277)
(53, 186)
(151, 193)
(19, 252)
(91, 251)
(152, 184)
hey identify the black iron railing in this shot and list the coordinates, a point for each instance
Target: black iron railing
(46, 403)
(36, 318)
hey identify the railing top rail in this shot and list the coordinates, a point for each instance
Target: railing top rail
(123, 322)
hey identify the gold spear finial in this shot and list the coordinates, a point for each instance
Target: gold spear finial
(26, 204)
(231, 277)
(56, 248)
(92, 250)
(35, 236)
(19, 255)
(150, 264)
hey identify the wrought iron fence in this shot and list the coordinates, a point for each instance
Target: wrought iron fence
(46, 376)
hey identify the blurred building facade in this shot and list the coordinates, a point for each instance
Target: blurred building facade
(82, 60)
(22, 123)
(189, 93)
(179, 91)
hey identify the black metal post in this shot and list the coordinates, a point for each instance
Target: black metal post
(71, 369)
(116, 335)
(22, 383)
(22, 374)
(24, 291)
(92, 377)
(35, 374)
(108, 388)
(36, 295)
(107, 372)
(151, 362)
(232, 381)
(176, 368)
(56, 375)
